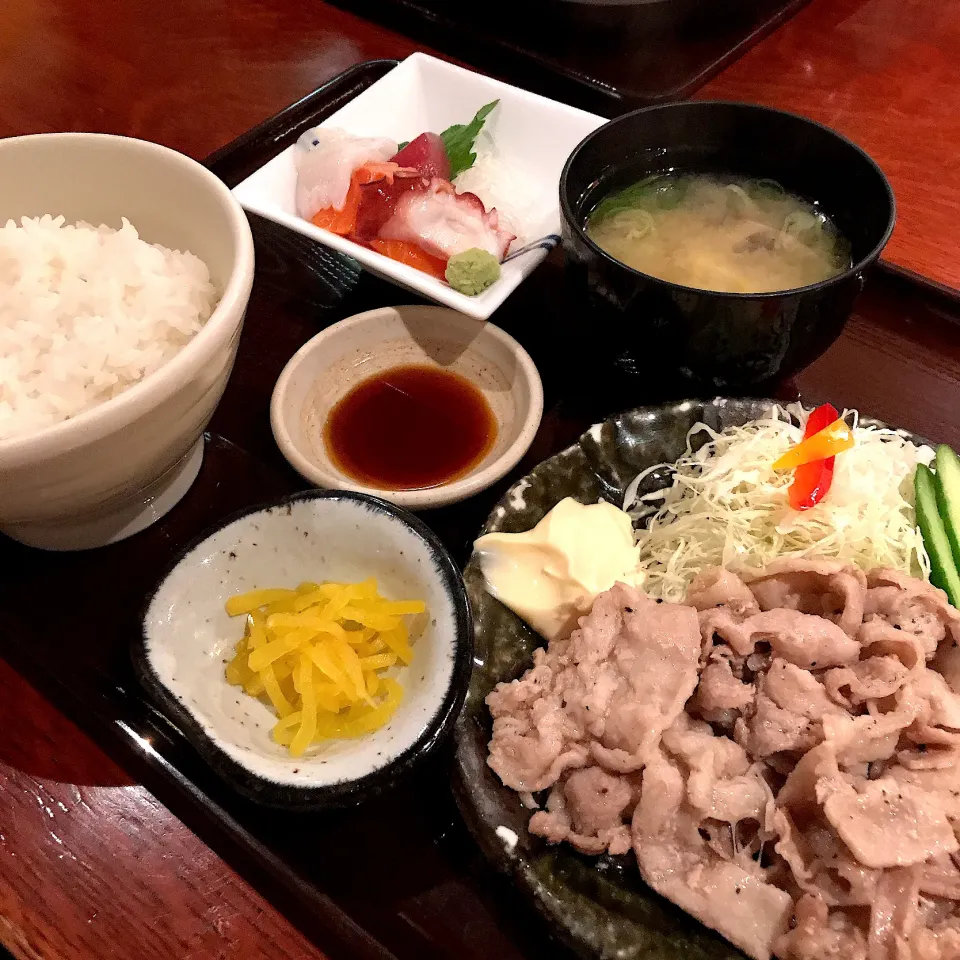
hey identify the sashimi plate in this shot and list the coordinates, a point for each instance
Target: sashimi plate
(599, 906)
(533, 137)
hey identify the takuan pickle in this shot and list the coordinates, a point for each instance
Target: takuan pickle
(318, 654)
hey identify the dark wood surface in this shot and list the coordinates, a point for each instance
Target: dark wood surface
(191, 74)
(887, 74)
(91, 864)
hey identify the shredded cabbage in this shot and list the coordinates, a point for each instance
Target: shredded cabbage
(725, 506)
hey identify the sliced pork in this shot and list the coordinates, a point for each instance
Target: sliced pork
(793, 688)
(819, 587)
(678, 863)
(874, 678)
(656, 658)
(716, 587)
(782, 754)
(720, 690)
(887, 824)
(803, 639)
(609, 690)
(587, 811)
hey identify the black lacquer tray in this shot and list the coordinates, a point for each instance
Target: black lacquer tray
(603, 57)
(398, 876)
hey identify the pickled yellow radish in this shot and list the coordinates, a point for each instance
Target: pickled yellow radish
(317, 655)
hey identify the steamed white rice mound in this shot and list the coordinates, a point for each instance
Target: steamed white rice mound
(85, 313)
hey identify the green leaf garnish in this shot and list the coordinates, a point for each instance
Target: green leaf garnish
(653, 192)
(761, 191)
(627, 199)
(460, 138)
(403, 146)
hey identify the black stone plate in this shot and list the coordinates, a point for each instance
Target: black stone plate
(599, 905)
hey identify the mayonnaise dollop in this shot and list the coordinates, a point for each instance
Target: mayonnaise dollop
(550, 575)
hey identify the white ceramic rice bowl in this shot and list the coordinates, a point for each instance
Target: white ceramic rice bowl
(112, 470)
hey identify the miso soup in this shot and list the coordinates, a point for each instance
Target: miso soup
(719, 233)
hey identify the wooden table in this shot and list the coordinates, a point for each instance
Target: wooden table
(91, 865)
(887, 74)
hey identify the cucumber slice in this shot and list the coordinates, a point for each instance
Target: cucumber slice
(948, 497)
(943, 572)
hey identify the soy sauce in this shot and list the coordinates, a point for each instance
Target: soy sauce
(410, 427)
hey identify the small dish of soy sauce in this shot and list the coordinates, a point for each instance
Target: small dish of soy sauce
(422, 406)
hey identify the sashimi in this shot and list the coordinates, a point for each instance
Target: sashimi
(344, 221)
(326, 159)
(412, 255)
(427, 155)
(379, 199)
(445, 223)
(400, 200)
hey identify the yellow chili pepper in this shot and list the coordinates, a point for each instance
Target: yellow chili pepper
(830, 441)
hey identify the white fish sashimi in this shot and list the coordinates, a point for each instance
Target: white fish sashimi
(326, 159)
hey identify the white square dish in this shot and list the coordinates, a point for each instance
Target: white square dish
(532, 135)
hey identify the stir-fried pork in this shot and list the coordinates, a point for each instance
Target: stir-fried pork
(782, 754)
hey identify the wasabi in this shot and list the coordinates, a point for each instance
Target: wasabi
(472, 271)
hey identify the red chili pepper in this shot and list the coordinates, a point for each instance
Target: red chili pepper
(811, 481)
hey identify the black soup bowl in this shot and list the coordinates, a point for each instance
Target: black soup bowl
(703, 339)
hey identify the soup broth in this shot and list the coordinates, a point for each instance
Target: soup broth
(718, 233)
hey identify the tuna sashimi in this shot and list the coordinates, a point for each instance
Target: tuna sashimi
(445, 223)
(379, 199)
(427, 155)
(369, 177)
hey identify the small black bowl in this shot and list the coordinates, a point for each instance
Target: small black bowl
(704, 339)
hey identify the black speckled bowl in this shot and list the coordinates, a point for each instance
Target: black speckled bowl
(597, 905)
(707, 340)
(187, 638)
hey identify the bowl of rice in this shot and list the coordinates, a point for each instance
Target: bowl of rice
(125, 271)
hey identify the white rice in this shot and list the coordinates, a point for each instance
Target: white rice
(85, 313)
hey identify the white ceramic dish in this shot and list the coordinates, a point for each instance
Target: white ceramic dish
(318, 535)
(531, 133)
(113, 470)
(335, 360)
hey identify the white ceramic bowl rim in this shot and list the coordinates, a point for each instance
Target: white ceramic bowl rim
(343, 792)
(162, 382)
(460, 489)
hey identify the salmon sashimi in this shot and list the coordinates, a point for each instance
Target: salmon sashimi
(412, 255)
